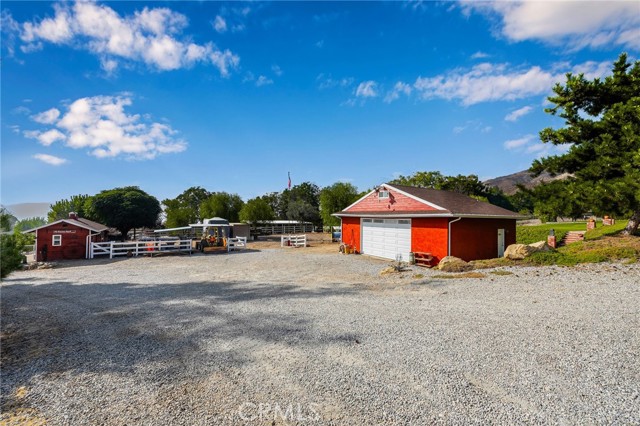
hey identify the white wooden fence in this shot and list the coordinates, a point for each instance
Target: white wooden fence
(293, 241)
(237, 243)
(284, 228)
(136, 248)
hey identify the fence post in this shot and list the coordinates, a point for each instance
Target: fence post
(111, 250)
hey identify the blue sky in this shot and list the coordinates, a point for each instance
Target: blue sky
(232, 96)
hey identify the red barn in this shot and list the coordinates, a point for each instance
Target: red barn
(67, 238)
(396, 220)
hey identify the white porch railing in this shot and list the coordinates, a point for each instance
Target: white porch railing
(293, 241)
(237, 243)
(136, 248)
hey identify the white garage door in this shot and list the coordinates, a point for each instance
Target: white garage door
(386, 238)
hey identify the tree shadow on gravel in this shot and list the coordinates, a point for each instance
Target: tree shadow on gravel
(62, 328)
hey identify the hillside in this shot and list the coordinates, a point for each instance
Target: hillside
(508, 183)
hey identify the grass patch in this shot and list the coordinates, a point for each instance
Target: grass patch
(602, 231)
(604, 249)
(418, 276)
(463, 275)
(535, 233)
(501, 272)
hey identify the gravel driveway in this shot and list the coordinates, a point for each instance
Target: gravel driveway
(309, 336)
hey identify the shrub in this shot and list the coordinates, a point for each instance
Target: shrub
(10, 254)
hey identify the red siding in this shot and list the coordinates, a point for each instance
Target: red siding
(473, 239)
(395, 202)
(74, 240)
(429, 235)
(351, 232)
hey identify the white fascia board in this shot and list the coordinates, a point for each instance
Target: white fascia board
(435, 206)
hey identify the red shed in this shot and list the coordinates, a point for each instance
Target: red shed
(67, 238)
(395, 220)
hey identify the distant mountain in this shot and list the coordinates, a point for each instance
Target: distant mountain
(27, 210)
(508, 183)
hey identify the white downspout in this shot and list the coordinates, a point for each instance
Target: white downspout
(449, 236)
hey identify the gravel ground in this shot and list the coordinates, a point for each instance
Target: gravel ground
(309, 336)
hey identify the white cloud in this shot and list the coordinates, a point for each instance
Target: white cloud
(50, 159)
(488, 82)
(473, 126)
(479, 55)
(367, 89)
(520, 112)
(328, 82)
(519, 143)
(398, 89)
(531, 145)
(219, 24)
(151, 36)
(21, 110)
(276, 70)
(485, 82)
(575, 24)
(263, 81)
(47, 117)
(101, 125)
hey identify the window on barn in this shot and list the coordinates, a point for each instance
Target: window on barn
(57, 240)
(383, 194)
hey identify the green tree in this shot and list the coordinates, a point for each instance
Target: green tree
(602, 128)
(222, 204)
(433, 180)
(559, 198)
(30, 223)
(185, 208)
(282, 204)
(11, 245)
(7, 220)
(10, 254)
(304, 199)
(308, 192)
(256, 211)
(522, 201)
(125, 208)
(302, 211)
(335, 198)
(272, 198)
(79, 204)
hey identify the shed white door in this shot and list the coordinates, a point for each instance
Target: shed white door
(386, 238)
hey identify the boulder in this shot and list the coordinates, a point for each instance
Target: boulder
(453, 264)
(540, 246)
(518, 251)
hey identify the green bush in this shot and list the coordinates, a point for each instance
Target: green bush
(10, 254)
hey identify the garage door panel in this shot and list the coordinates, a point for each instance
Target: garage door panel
(386, 238)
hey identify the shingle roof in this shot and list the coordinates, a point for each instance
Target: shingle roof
(81, 222)
(452, 204)
(455, 202)
(95, 226)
